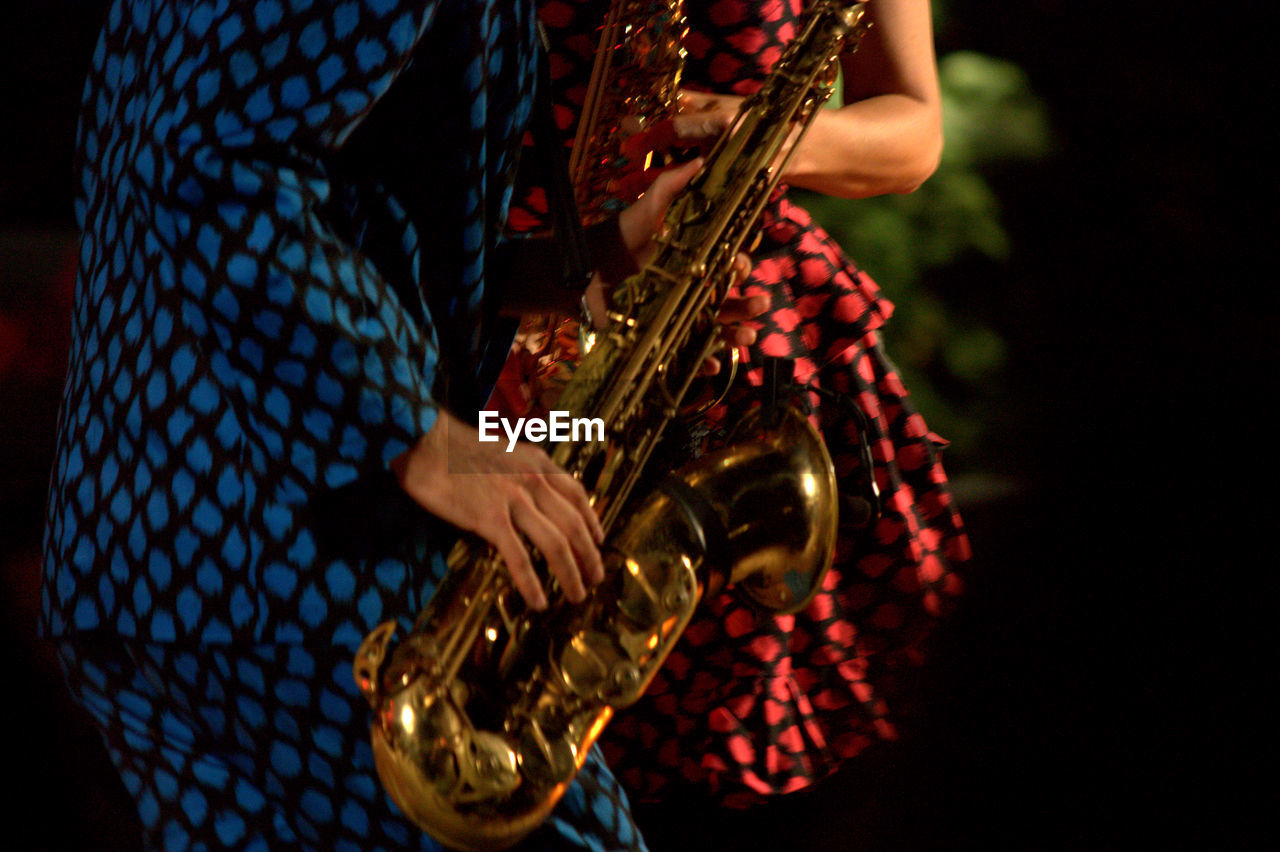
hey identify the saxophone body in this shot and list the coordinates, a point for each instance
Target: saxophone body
(634, 81)
(484, 713)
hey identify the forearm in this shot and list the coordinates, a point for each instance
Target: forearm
(888, 136)
(886, 144)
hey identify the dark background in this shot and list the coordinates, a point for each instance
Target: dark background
(1103, 685)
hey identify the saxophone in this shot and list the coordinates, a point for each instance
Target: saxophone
(634, 78)
(484, 713)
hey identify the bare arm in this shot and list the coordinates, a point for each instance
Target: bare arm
(888, 136)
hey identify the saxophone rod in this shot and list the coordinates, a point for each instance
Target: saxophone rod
(590, 109)
(692, 300)
(688, 301)
(653, 352)
(640, 457)
(464, 633)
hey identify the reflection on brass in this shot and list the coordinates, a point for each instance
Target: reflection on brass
(484, 713)
(633, 86)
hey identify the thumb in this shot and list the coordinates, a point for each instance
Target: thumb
(641, 220)
(669, 184)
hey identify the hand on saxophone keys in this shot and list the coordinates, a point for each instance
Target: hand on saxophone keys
(639, 224)
(505, 498)
(508, 498)
(736, 312)
(700, 120)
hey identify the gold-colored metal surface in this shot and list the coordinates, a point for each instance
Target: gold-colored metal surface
(483, 714)
(634, 81)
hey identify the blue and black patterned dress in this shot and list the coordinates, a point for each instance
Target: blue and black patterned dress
(290, 212)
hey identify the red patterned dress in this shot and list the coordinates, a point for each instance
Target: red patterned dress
(749, 704)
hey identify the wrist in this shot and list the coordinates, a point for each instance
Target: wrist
(613, 260)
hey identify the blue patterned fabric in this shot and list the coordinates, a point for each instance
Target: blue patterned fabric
(246, 334)
(226, 748)
(263, 748)
(289, 209)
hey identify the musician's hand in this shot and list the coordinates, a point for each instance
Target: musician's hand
(639, 224)
(735, 314)
(640, 221)
(733, 317)
(701, 118)
(501, 496)
(699, 121)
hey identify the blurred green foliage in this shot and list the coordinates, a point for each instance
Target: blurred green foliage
(950, 359)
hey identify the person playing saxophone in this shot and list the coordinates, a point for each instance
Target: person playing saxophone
(291, 218)
(751, 705)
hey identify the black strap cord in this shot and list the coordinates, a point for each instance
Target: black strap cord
(576, 264)
(860, 505)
